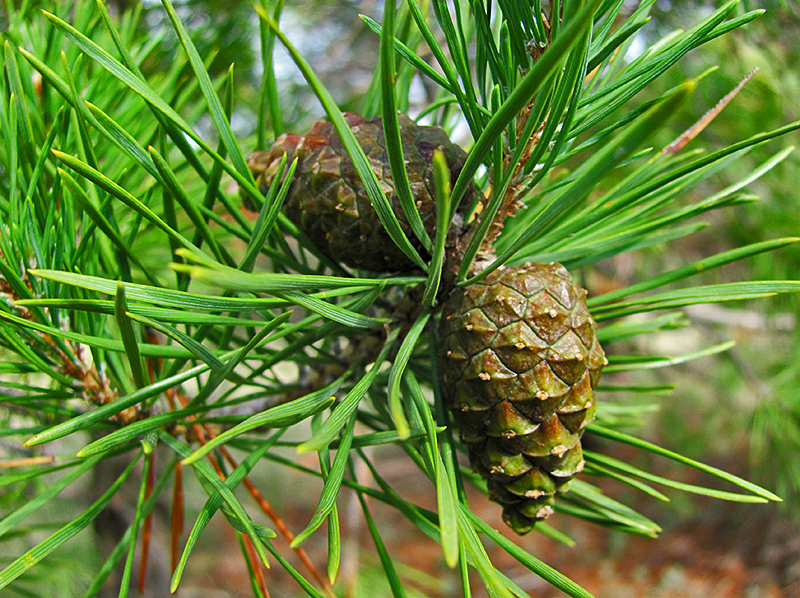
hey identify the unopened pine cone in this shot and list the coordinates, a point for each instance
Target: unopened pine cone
(328, 202)
(519, 363)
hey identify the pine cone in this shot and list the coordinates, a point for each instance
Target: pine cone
(328, 202)
(519, 363)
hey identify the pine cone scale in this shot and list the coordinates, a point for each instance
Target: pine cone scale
(519, 363)
(329, 203)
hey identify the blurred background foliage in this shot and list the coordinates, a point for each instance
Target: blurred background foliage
(751, 394)
(753, 391)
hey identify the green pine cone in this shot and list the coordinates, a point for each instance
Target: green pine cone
(328, 202)
(519, 363)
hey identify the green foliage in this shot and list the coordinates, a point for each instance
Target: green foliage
(141, 306)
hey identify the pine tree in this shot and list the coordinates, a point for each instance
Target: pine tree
(146, 318)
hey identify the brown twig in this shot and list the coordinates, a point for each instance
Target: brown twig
(279, 523)
(176, 523)
(253, 558)
(516, 187)
(96, 388)
(177, 515)
(693, 131)
(200, 432)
